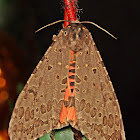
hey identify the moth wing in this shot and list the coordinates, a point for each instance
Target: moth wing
(38, 106)
(97, 108)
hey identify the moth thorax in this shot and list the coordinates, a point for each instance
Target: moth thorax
(75, 48)
(75, 42)
(76, 35)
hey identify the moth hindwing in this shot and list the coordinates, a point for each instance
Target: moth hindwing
(70, 85)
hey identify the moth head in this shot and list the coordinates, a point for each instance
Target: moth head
(76, 36)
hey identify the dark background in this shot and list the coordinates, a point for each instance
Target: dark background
(21, 49)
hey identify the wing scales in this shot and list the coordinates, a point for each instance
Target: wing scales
(38, 106)
(100, 116)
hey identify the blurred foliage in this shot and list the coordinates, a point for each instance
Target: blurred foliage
(11, 104)
(19, 87)
(7, 13)
(15, 45)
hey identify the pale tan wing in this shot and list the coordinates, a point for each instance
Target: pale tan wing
(97, 108)
(38, 106)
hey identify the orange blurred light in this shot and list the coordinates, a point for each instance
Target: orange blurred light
(3, 96)
(4, 135)
(0, 72)
(2, 82)
(1, 137)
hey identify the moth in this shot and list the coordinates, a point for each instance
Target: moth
(69, 86)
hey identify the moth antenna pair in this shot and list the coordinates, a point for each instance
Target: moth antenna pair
(77, 22)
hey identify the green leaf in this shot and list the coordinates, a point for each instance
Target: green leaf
(64, 134)
(45, 137)
(84, 138)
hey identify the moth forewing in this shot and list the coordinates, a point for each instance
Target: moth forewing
(98, 109)
(70, 85)
(38, 106)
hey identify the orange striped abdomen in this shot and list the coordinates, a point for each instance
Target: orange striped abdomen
(68, 108)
